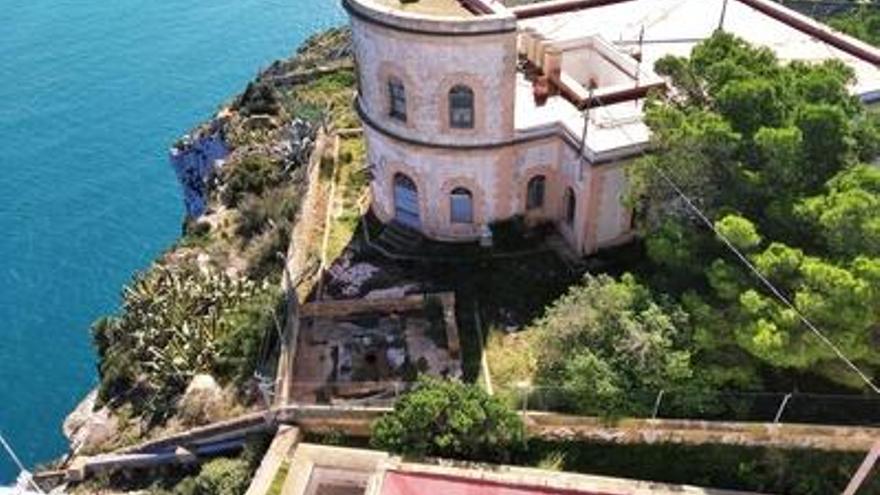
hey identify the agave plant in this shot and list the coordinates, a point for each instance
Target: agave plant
(178, 321)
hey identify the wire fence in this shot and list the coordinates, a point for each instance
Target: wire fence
(758, 407)
(763, 407)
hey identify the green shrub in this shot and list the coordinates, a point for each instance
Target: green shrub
(252, 175)
(607, 343)
(259, 98)
(249, 323)
(450, 419)
(196, 228)
(257, 214)
(220, 476)
(266, 256)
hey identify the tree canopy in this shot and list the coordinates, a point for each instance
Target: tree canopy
(450, 419)
(775, 155)
(608, 345)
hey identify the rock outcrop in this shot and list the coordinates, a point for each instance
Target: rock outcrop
(87, 428)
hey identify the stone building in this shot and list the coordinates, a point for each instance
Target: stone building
(460, 132)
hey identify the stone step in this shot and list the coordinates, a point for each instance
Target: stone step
(399, 237)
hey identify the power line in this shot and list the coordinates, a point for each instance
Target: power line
(769, 285)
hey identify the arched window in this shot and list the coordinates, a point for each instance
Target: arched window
(535, 193)
(461, 107)
(406, 201)
(397, 99)
(461, 203)
(570, 206)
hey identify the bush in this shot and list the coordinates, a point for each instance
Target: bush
(266, 256)
(259, 98)
(608, 343)
(220, 476)
(249, 324)
(450, 419)
(252, 175)
(258, 213)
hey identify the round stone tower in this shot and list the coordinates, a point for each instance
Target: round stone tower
(436, 95)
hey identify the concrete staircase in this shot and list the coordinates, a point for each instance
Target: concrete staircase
(397, 238)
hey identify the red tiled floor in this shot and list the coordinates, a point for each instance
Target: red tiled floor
(397, 483)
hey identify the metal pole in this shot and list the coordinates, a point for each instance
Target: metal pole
(265, 386)
(864, 470)
(525, 405)
(781, 408)
(723, 15)
(18, 463)
(657, 405)
(581, 158)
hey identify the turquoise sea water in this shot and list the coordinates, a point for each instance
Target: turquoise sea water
(91, 94)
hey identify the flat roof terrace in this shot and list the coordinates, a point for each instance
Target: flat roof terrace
(674, 27)
(440, 8)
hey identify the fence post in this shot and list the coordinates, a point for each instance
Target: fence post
(524, 391)
(781, 408)
(657, 405)
(524, 397)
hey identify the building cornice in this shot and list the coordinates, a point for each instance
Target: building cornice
(548, 132)
(481, 25)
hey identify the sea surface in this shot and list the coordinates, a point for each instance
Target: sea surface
(92, 92)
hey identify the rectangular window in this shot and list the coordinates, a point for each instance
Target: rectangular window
(462, 118)
(461, 108)
(462, 208)
(397, 95)
(535, 197)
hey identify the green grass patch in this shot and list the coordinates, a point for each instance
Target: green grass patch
(329, 95)
(351, 184)
(278, 480)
